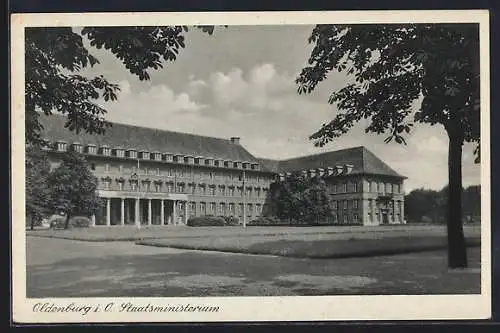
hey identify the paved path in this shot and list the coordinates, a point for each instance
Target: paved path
(64, 268)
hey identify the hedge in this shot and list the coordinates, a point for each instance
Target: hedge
(206, 221)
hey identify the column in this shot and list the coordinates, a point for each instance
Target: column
(162, 213)
(149, 211)
(137, 219)
(108, 211)
(92, 220)
(185, 212)
(122, 215)
(174, 213)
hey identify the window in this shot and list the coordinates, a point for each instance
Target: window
(203, 189)
(133, 185)
(146, 185)
(382, 188)
(335, 218)
(212, 207)
(249, 192)
(107, 183)
(231, 208)
(389, 188)
(398, 218)
(231, 191)
(180, 188)
(370, 217)
(355, 186)
(61, 146)
(374, 187)
(120, 185)
(202, 207)
(346, 219)
(158, 187)
(249, 209)
(221, 190)
(211, 175)
(106, 167)
(344, 187)
(106, 151)
(120, 168)
(222, 208)
(355, 204)
(355, 218)
(257, 192)
(212, 190)
(370, 204)
(258, 208)
(92, 166)
(240, 210)
(169, 188)
(345, 204)
(158, 171)
(192, 208)
(369, 186)
(334, 188)
(396, 188)
(334, 204)
(170, 172)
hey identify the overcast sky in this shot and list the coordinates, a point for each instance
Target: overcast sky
(240, 82)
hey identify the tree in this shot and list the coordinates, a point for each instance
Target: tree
(37, 190)
(55, 55)
(301, 200)
(394, 66)
(73, 187)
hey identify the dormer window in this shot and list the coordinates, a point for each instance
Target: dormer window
(245, 165)
(157, 156)
(209, 162)
(92, 149)
(105, 150)
(61, 146)
(189, 160)
(239, 165)
(200, 161)
(120, 152)
(179, 158)
(131, 153)
(169, 157)
(77, 147)
(145, 155)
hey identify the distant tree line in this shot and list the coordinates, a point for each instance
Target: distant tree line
(424, 205)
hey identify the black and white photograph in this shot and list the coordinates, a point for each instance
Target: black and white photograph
(168, 167)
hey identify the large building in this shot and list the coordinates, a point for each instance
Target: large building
(157, 177)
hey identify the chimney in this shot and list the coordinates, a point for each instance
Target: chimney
(235, 140)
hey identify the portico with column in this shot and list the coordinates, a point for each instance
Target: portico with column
(146, 209)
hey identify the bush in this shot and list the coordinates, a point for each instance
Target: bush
(206, 221)
(79, 222)
(267, 220)
(57, 221)
(231, 221)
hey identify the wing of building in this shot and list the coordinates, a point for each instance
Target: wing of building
(158, 177)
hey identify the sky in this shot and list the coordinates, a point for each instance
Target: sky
(240, 82)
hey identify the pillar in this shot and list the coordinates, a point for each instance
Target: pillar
(92, 220)
(162, 213)
(108, 211)
(122, 215)
(137, 218)
(149, 212)
(174, 213)
(185, 212)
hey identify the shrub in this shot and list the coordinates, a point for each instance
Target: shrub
(57, 221)
(231, 220)
(80, 222)
(266, 220)
(206, 221)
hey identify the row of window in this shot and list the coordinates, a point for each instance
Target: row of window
(345, 218)
(184, 172)
(224, 209)
(390, 217)
(157, 156)
(200, 189)
(345, 204)
(352, 186)
(392, 206)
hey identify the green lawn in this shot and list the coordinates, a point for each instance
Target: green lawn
(130, 233)
(311, 245)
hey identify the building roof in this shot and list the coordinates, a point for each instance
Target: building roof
(362, 160)
(148, 139)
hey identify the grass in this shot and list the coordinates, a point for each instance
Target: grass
(130, 233)
(310, 246)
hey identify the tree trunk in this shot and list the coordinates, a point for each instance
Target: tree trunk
(66, 224)
(32, 222)
(457, 251)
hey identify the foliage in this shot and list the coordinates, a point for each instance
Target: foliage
(54, 57)
(301, 199)
(79, 222)
(393, 67)
(37, 190)
(267, 221)
(231, 221)
(429, 205)
(73, 187)
(206, 221)
(57, 222)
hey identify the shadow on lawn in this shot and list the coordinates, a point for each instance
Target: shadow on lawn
(201, 274)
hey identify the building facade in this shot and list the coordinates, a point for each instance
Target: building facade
(155, 177)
